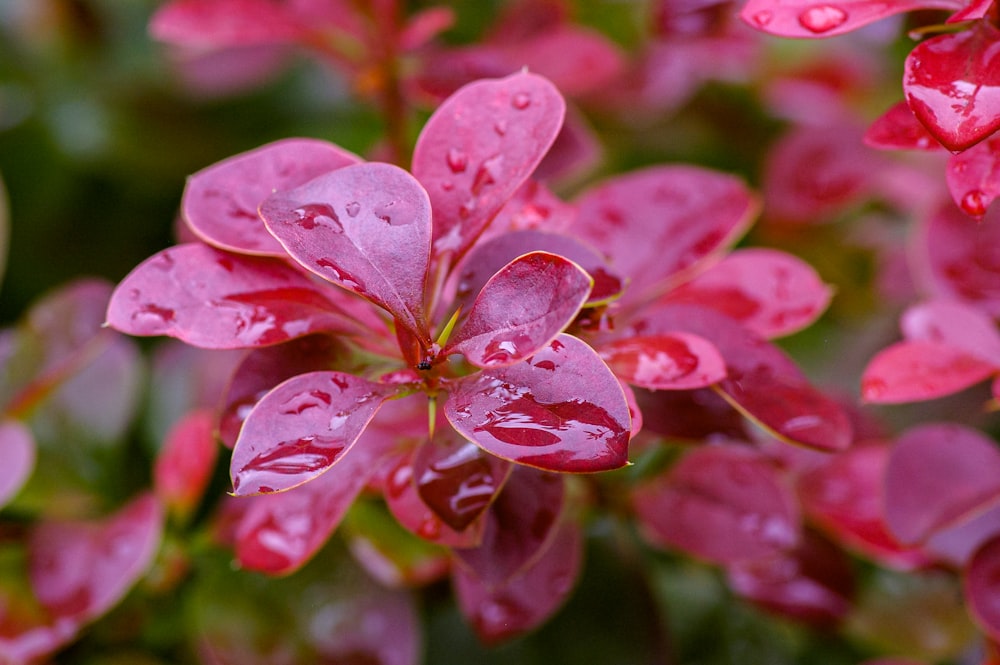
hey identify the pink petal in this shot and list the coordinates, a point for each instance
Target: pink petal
(17, 450)
(982, 588)
(366, 228)
(973, 177)
(220, 202)
(534, 413)
(477, 149)
(899, 129)
(952, 85)
(301, 428)
(770, 292)
(678, 361)
(957, 325)
(811, 19)
(915, 371)
(185, 463)
(957, 466)
(521, 309)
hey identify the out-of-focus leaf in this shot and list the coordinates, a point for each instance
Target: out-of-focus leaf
(954, 545)
(919, 370)
(957, 255)
(812, 19)
(954, 324)
(678, 361)
(521, 309)
(185, 463)
(220, 202)
(973, 177)
(4, 229)
(899, 129)
(17, 450)
(533, 412)
(982, 587)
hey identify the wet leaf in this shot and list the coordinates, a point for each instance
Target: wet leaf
(365, 227)
(521, 309)
(919, 370)
(973, 177)
(533, 412)
(960, 258)
(184, 465)
(220, 202)
(301, 428)
(678, 361)
(478, 148)
(17, 450)
(812, 19)
(982, 587)
(899, 129)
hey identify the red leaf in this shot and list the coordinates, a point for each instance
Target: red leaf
(302, 428)
(961, 259)
(919, 370)
(973, 177)
(185, 463)
(221, 23)
(216, 300)
(537, 412)
(952, 85)
(956, 466)
(220, 202)
(770, 292)
(954, 324)
(478, 148)
(527, 599)
(80, 570)
(982, 588)
(521, 309)
(811, 19)
(366, 228)
(678, 361)
(657, 223)
(724, 504)
(899, 129)
(17, 450)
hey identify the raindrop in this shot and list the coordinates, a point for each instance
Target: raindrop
(313, 215)
(822, 18)
(974, 203)
(762, 19)
(134, 294)
(457, 160)
(500, 127)
(353, 208)
(467, 209)
(486, 174)
(153, 315)
(521, 101)
(430, 528)
(447, 185)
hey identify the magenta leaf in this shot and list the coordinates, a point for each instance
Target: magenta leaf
(657, 223)
(678, 361)
(952, 85)
(17, 450)
(954, 324)
(955, 545)
(365, 227)
(478, 148)
(223, 23)
(220, 202)
(812, 19)
(961, 261)
(723, 504)
(301, 428)
(216, 300)
(770, 292)
(530, 597)
(185, 463)
(899, 129)
(973, 177)
(956, 465)
(521, 309)
(920, 370)
(80, 570)
(982, 587)
(534, 413)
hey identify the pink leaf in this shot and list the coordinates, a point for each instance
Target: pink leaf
(953, 87)
(678, 361)
(366, 228)
(973, 177)
(724, 504)
(954, 324)
(527, 599)
(919, 370)
(657, 223)
(534, 412)
(216, 300)
(982, 588)
(302, 428)
(770, 292)
(812, 19)
(17, 450)
(185, 464)
(479, 147)
(957, 466)
(80, 570)
(961, 260)
(521, 309)
(220, 202)
(954, 545)
(899, 129)
(577, 60)
(221, 23)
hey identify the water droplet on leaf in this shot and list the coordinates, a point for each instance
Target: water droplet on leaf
(353, 208)
(313, 215)
(500, 127)
(457, 160)
(822, 18)
(521, 101)
(974, 203)
(762, 19)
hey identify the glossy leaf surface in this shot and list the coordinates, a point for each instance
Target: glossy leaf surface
(678, 361)
(960, 257)
(521, 309)
(366, 228)
(973, 177)
(216, 300)
(919, 370)
(811, 19)
(723, 504)
(301, 428)
(956, 465)
(533, 412)
(220, 202)
(899, 129)
(952, 85)
(982, 587)
(185, 463)
(17, 450)
(478, 148)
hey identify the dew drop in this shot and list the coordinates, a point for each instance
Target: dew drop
(313, 215)
(762, 19)
(134, 294)
(457, 160)
(353, 208)
(521, 101)
(822, 18)
(500, 127)
(153, 315)
(430, 529)
(447, 185)
(974, 203)
(486, 174)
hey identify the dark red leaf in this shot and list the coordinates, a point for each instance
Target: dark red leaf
(365, 227)
(919, 370)
(724, 504)
(982, 588)
(185, 463)
(301, 428)
(216, 300)
(973, 177)
(521, 309)
(956, 465)
(899, 129)
(811, 19)
(952, 84)
(17, 450)
(690, 415)
(80, 570)
(534, 412)
(678, 361)
(220, 202)
(961, 259)
(479, 147)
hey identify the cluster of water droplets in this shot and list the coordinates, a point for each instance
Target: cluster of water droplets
(817, 19)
